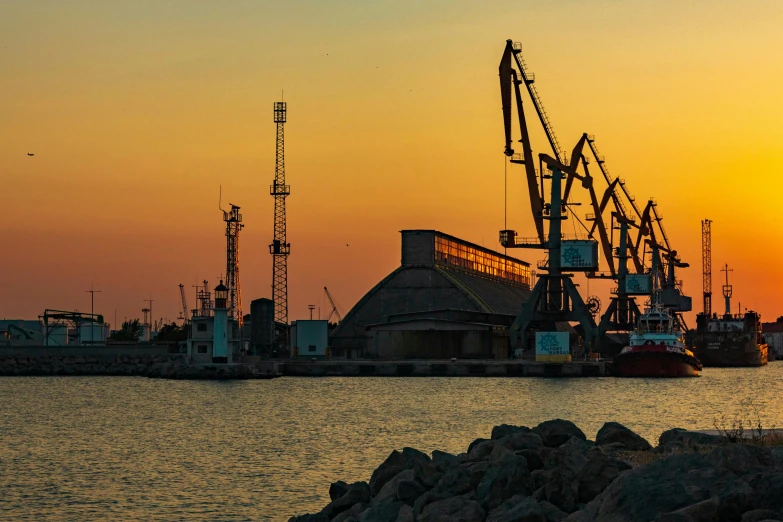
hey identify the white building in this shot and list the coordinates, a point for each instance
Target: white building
(214, 338)
(310, 339)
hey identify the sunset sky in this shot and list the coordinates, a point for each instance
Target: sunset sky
(138, 111)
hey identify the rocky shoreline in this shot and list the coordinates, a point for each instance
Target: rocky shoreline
(553, 473)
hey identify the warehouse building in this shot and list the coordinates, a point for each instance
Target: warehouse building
(448, 298)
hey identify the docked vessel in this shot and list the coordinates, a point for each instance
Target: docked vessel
(730, 339)
(656, 349)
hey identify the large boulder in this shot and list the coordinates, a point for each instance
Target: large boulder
(665, 486)
(761, 515)
(523, 441)
(455, 509)
(358, 492)
(498, 432)
(389, 490)
(518, 509)
(558, 431)
(395, 463)
(613, 432)
(503, 480)
(444, 460)
(597, 473)
(386, 511)
(337, 489)
(482, 450)
(390, 467)
(687, 438)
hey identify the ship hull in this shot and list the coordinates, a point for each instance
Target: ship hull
(757, 355)
(730, 341)
(655, 364)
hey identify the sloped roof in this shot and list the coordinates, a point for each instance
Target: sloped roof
(493, 295)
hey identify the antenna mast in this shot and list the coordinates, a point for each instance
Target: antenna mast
(280, 248)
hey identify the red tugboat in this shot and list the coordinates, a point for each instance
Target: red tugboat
(656, 349)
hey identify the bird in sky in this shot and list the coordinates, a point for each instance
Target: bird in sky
(30, 154)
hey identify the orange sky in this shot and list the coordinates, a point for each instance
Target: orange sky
(138, 111)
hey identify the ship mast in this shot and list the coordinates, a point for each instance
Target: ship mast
(727, 289)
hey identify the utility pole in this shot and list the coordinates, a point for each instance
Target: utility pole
(92, 293)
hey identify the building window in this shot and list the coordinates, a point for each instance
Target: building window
(201, 327)
(459, 255)
(202, 348)
(311, 348)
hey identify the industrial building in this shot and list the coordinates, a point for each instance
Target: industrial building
(310, 338)
(773, 336)
(448, 298)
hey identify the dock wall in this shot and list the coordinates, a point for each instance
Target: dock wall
(445, 368)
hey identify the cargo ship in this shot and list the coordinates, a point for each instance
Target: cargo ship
(730, 339)
(656, 349)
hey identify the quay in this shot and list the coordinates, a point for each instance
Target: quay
(441, 368)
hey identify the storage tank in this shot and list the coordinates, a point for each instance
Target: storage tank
(262, 326)
(93, 333)
(56, 336)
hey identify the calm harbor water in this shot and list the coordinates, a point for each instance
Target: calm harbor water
(127, 448)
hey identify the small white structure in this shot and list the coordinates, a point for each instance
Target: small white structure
(93, 333)
(310, 338)
(213, 338)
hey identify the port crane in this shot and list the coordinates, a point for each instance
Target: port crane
(640, 231)
(185, 312)
(334, 311)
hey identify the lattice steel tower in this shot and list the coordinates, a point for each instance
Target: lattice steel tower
(234, 224)
(706, 265)
(280, 248)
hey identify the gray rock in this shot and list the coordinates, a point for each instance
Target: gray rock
(613, 432)
(337, 489)
(665, 486)
(523, 441)
(477, 472)
(358, 492)
(317, 517)
(386, 511)
(551, 512)
(482, 450)
(741, 459)
(462, 509)
(760, 515)
(517, 509)
(499, 451)
(406, 514)
(475, 443)
(597, 473)
(558, 431)
(428, 473)
(704, 511)
(444, 460)
(533, 457)
(390, 467)
(352, 513)
(768, 488)
(409, 490)
(455, 481)
(498, 432)
(503, 480)
(412, 455)
(389, 490)
(688, 438)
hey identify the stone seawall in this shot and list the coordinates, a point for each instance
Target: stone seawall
(142, 361)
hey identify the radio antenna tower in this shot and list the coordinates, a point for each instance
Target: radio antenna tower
(280, 248)
(234, 224)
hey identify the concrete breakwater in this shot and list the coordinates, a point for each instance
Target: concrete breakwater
(445, 368)
(143, 361)
(553, 473)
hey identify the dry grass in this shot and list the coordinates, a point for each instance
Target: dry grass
(746, 427)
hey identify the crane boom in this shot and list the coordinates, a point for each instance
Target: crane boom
(334, 311)
(185, 314)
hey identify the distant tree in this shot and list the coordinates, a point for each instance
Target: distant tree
(172, 332)
(130, 331)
